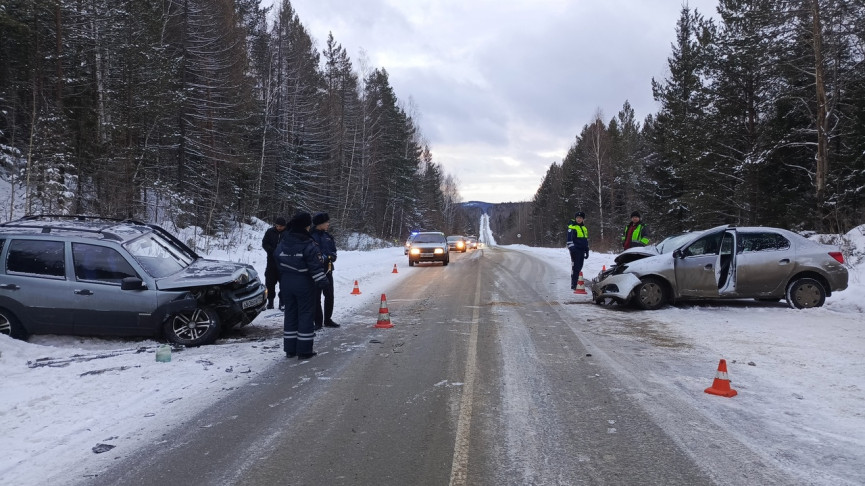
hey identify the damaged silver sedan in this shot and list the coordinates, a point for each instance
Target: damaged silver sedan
(725, 262)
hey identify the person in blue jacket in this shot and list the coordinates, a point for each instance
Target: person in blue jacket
(578, 246)
(321, 223)
(301, 271)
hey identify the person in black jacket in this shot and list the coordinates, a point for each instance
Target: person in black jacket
(321, 223)
(271, 273)
(301, 270)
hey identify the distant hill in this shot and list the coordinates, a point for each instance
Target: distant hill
(483, 206)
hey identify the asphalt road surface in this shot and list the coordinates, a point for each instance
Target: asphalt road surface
(483, 380)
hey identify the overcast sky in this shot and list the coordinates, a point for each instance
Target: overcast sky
(501, 88)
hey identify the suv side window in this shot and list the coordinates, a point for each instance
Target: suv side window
(100, 263)
(33, 257)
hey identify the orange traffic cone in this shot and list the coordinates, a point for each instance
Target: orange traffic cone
(383, 315)
(603, 268)
(581, 285)
(355, 291)
(721, 385)
(394, 269)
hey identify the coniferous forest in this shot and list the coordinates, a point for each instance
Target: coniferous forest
(206, 112)
(761, 122)
(210, 112)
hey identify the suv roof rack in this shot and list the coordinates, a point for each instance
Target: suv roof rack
(32, 222)
(78, 217)
(47, 228)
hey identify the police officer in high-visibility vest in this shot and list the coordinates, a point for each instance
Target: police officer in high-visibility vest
(636, 233)
(578, 245)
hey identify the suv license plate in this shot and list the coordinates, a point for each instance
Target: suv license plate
(253, 302)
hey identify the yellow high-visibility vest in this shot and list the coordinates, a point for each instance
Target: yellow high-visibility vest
(582, 231)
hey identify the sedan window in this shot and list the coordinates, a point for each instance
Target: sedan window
(707, 245)
(672, 242)
(765, 241)
(429, 239)
(100, 263)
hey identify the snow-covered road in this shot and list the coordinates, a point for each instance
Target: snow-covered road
(799, 374)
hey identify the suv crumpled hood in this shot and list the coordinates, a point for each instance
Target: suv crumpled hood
(638, 253)
(204, 272)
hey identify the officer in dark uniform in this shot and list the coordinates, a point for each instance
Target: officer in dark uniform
(321, 223)
(271, 273)
(301, 270)
(578, 245)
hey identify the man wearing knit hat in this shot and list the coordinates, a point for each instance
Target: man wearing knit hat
(271, 272)
(577, 245)
(636, 233)
(321, 223)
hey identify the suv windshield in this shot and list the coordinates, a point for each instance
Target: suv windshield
(158, 256)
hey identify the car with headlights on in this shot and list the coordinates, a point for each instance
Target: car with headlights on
(408, 240)
(471, 242)
(725, 262)
(457, 243)
(429, 246)
(93, 276)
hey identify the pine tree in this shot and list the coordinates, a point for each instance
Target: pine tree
(343, 112)
(679, 164)
(742, 83)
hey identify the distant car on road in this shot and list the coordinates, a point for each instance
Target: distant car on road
(457, 243)
(429, 246)
(472, 242)
(725, 262)
(107, 277)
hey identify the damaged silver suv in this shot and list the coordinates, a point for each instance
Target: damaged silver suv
(95, 276)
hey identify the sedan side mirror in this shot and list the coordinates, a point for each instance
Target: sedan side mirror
(131, 283)
(678, 254)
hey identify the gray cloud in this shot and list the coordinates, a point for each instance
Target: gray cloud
(503, 87)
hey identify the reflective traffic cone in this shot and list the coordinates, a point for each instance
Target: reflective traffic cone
(394, 269)
(383, 315)
(721, 385)
(581, 285)
(355, 291)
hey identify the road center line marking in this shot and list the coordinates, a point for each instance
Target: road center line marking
(461, 447)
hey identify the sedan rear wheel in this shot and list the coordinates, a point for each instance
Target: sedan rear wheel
(805, 293)
(193, 328)
(651, 294)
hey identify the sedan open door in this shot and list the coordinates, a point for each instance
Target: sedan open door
(706, 267)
